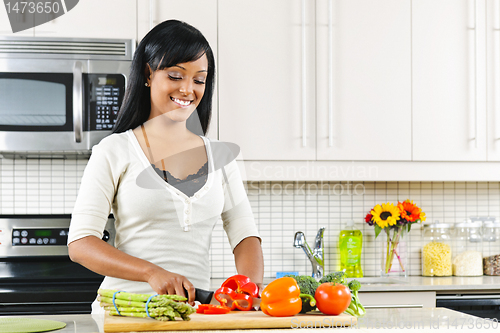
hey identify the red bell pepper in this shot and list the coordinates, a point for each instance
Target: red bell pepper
(237, 292)
(242, 285)
(212, 309)
(233, 300)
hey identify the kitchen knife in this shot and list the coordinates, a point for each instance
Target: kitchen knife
(207, 297)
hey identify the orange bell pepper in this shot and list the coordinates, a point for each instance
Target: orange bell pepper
(282, 298)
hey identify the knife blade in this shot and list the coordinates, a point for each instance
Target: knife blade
(207, 297)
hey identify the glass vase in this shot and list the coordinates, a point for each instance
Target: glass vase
(394, 244)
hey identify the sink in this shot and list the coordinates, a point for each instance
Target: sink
(380, 280)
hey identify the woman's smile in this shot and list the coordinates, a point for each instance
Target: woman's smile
(181, 102)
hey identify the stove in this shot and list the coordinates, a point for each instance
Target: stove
(36, 274)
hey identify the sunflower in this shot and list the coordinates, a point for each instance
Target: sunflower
(385, 215)
(410, 212)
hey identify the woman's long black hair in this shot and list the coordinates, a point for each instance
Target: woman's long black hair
(170, 43)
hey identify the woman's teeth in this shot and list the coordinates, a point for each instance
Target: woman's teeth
(180, 101)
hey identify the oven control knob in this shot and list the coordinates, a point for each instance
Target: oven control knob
(105, 236)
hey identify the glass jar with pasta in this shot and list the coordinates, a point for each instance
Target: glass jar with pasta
(467, 249)
(437, 249)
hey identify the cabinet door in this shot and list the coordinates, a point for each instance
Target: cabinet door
(267, 78)
(364, 79)
(493, 78)
(5, 28)
(202, 14)
(449, 93)
(94, 19)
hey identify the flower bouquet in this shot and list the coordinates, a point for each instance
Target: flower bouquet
(396, 221)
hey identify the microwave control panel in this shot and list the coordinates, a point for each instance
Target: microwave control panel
(106, 96)
(39, 237)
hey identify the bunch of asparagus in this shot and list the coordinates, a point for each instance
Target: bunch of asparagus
(161, 307)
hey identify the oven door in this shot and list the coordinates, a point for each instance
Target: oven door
(41, 105)
(46, 285)
(55, 105)
(479, 305)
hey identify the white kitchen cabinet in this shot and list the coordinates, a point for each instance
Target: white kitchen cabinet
(449, 76)
(267, 78)
(202, 14)
(493, 78)
(363, 54)
(5, 28)
(94, 19)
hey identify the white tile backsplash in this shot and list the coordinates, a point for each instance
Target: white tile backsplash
(45, 186)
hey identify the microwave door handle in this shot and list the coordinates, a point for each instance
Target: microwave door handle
(77, 100)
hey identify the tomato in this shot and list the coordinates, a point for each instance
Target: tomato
(332, 298)
(212, 309)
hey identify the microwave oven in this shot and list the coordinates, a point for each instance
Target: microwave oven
(60, 96)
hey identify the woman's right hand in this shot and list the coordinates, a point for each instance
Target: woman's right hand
(165, 282)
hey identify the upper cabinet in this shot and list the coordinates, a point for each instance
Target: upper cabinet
(449, 76)
(267, 78)
(94, 19)
(202, 14)
(363, 57)
(493, 78)
(316, 80)
(5, 28)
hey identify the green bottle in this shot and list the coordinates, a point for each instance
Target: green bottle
(350, 244)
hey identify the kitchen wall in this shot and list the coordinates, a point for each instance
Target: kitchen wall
(46, 186)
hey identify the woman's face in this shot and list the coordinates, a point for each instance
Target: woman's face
(176, 91)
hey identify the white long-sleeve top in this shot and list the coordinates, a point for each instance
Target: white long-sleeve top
(155, 221)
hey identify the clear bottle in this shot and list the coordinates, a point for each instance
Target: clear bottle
(350, 246)
(468, 250)
(437, 249)
(491, 248)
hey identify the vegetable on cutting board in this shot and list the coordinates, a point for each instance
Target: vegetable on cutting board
(212, 309)
(282, 298)
(237, 292)
(332, 298)
(307, 285)
(160, 307)
(355, 308)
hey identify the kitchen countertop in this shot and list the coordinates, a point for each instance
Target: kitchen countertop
(441, 285)
(429, 318)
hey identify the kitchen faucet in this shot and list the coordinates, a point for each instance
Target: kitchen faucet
(316, 256)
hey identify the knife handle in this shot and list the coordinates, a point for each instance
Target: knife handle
(201, 295)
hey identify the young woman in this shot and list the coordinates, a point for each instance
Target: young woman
(159, 175)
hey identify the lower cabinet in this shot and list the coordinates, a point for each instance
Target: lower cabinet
(413, 299)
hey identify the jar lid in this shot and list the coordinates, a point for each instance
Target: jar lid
(490, 224)
(468, 224)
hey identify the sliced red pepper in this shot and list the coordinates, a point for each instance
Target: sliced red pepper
(232, 299)
(242, 285)
(212, 309)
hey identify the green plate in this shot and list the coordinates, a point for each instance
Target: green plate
(28, 325)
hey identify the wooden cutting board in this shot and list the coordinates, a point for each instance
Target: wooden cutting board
(231, 321)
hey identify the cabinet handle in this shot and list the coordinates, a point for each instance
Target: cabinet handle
(397, 306)
(77, 100)
(330, 73)
(304, 87)
(475, 74)
(496, 54)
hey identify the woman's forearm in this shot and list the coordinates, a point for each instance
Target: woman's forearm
(249, 259)
(102, 258)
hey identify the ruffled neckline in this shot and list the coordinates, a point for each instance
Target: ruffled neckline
(195, 177)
